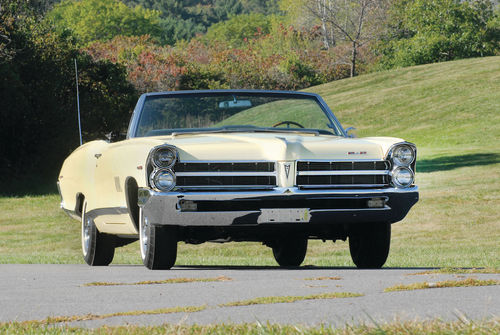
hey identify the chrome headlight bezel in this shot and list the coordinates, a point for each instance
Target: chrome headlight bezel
(397, 150)
(397, 171)
(155, 182)
(155, 156)
(155, 166)
(398, 165)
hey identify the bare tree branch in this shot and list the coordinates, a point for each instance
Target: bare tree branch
(355, 21)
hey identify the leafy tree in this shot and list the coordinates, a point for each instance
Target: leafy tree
(183, 19)
(266, 7)
(39, 126)
(285, 58)
(175, 29)
(99, 20)
(427, 31)
(239, 29)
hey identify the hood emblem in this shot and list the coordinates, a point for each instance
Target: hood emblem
(287, 169)
(356, 152)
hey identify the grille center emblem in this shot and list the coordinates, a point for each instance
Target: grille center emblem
(287, 169)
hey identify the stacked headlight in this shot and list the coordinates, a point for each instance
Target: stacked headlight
(164, 157)
(403, 159)
(162, 176)
(403, 155)
(402, 177)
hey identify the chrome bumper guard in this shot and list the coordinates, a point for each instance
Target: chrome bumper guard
(280, 205)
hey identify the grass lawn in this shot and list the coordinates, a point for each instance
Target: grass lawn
(436, 327)
(451, 111)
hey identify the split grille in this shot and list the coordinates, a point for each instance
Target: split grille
(262, 175)
(343, 174)
(225, 175)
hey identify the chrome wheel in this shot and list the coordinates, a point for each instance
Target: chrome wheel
(143, 234)
(97, 248)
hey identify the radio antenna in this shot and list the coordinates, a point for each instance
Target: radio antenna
(78, 104)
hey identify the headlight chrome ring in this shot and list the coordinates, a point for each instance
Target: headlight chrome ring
(162, 179)
(402, 177)
(403, 155)
(164, 157)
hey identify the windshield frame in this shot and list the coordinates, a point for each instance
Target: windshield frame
(134, 122)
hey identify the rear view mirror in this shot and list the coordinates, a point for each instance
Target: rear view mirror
(235, 104)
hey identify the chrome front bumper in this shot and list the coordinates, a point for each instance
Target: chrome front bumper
(280, 205)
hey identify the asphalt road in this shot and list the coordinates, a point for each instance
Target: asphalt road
(35, 292)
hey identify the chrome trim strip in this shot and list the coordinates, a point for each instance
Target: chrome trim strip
(226, 174)
(225, 187)
(341, 160)
(349, 186)
(386, 208)
(145, 193)
(274, 163)
(71, 214)
(226, 161)
(343, 173)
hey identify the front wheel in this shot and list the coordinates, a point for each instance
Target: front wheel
(158, 244)
(98, 249)
(290, 252)
(369, 245)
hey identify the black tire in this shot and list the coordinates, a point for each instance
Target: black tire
(369, 245)
(290, 252)
(98, 249)
(158, 244)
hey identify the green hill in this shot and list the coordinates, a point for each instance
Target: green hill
(440, 105)
(443, 106)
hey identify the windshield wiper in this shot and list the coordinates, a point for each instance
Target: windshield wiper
(287, 130)
(223, 129)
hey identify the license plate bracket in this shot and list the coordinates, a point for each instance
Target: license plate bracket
(284, 215)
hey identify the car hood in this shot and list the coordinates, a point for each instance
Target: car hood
(274, 146)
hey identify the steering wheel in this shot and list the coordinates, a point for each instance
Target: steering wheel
(288, 123)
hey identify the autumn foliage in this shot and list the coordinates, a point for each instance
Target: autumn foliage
(286, 59)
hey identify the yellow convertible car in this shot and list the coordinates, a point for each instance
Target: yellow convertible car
(238, 165)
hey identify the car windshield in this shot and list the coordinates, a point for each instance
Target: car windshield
(233, 112)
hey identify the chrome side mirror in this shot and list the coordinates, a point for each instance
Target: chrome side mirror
(350, 129)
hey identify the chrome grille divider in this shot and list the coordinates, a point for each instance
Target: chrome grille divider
(343, 173)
